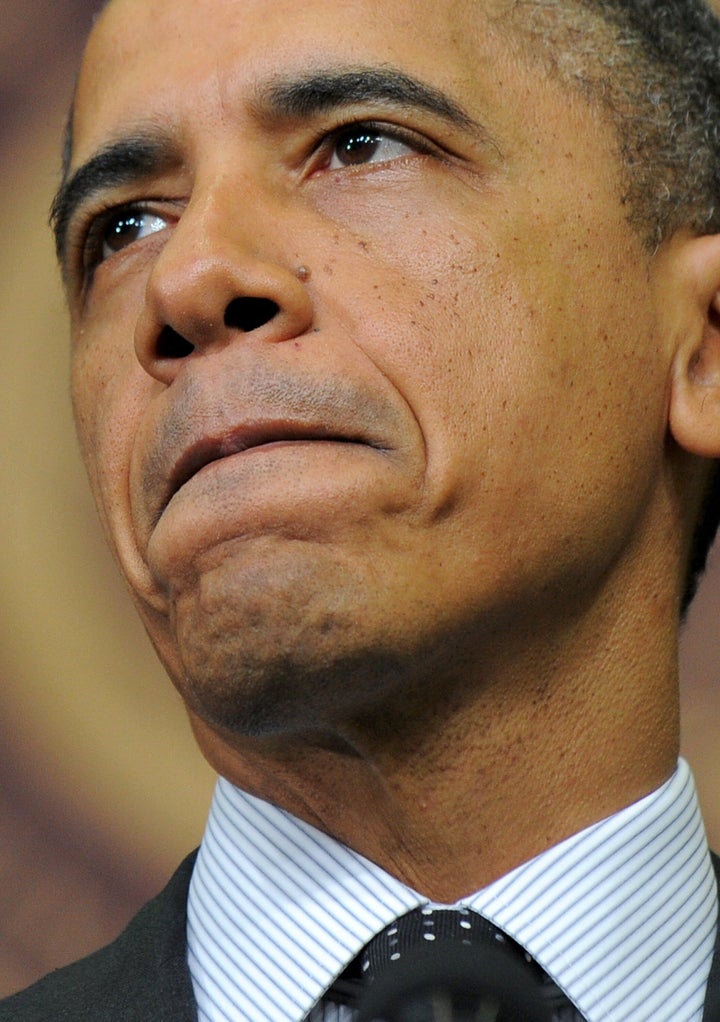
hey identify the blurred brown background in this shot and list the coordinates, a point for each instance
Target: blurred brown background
(101, 789)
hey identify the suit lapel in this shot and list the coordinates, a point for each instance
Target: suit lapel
(712, 998)
(154, 949)
(141, 977)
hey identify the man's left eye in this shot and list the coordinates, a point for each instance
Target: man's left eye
(359, 146)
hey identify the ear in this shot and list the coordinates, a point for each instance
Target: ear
(694, 411)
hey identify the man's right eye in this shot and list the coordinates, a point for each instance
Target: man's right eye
(117, 229)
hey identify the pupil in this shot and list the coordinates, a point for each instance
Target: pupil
(122, 231)
(359, 148)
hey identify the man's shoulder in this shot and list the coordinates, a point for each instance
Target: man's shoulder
(712, 997)
(141, 975)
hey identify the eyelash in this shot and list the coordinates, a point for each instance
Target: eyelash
(327, 141)
(322, 148)
(93, 239)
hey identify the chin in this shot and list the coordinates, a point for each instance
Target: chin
(262, 647)
(287, 691)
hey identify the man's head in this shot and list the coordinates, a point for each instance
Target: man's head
(385, 364)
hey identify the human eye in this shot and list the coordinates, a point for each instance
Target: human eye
(116, 229)
(365, 144)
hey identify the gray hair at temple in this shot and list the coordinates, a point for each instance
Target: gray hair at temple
(653, 67)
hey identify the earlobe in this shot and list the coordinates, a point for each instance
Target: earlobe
(694, 413)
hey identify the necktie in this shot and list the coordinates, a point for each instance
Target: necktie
(447, 965)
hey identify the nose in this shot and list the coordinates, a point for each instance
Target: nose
(214, 282)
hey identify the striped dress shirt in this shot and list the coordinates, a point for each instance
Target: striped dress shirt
(622, 915)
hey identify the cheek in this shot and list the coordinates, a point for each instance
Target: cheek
(108, 392)
(91, 380)
(440, 314)
(406, 282)
(542, 415)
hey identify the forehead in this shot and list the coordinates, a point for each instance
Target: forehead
(278, 26)
(142, 51)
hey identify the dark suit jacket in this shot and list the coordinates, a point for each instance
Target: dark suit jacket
(143, 975)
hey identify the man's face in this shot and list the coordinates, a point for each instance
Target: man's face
(368, 368)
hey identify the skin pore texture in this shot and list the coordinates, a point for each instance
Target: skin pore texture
(392, 419)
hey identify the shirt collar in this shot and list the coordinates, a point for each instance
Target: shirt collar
(621, 915)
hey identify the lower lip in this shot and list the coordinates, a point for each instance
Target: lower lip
(295, 447)
(295, 488)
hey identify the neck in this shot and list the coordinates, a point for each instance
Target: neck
(486, 775)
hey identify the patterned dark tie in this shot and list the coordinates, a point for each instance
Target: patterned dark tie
(447, 965)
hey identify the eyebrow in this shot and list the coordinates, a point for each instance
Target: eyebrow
(125, 161)
(152, 150)
(320, 91)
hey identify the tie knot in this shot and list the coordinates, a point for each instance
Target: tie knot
(434, 928)
(452, 964)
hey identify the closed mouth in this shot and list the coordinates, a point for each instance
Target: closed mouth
(211, 449)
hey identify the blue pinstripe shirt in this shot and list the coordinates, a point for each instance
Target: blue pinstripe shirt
(621, 915)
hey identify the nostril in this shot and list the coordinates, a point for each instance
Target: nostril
(171, 345)
(247, 314)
